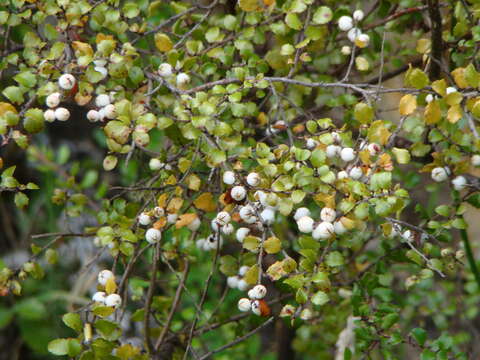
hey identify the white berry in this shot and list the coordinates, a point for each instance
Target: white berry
(53, 100)
(373, 149)
(104, 276)
(253, 179)
(247, 214)
(243, 270)
(194, 225)
(165, 70)
(232, 281)
(358, 15)
(49, 115)
(155, 164)
(242, 233)
(182, 80)
(256, 308)
(229, 177)
(268, 215)
(475, 160)
(102, 100)
(238, 193)
(459, 183)
(328, 214)
(62, 114)
(363, 40)
(93, 115)
(333, 150)
(113, 300)
(450, 90)
(144, 219)
(342, 175)
(346, 50)
(153, 235)
(305, 224)
(439, 174)
(356, 173)
(339, 228)
(257, 292)
(158, 212)
(311, 144)
(110, 111)
(99, 297)
(345, 23)
(223, 218)
(429, 98)
(242, 285)
(228, 229)
(347, 154)
(301, 212)
(244, 305)
(324, 230)
(66, 81)
(353, 34)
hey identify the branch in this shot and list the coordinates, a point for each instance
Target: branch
(436, 37)
(470, 257)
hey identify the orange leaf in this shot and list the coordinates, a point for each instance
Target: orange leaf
(205, 202)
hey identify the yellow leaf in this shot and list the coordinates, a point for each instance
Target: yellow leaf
(163, 42)
(454, 114)
(408, 104)
(459, 77)
(172, 180)
(272, 245)
(5, 107)
(82, 49)
(251, 277)
(100, 37)
(328, 200)
(162, 200)
(110, 286)
(423, 46)
(160, 223)
(249, 5)
(193, 182)
(365, 157)
(205, 202)
(185, 219)
(432, 113)
(454, 98)
(174, 205)
(440, 86)
(269, 2)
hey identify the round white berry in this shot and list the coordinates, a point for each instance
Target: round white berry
(244, 305)
(347, 154)
(66, 81)
(328, 214)
(311, 144)
(104, 276)
(374, 149)
(253, 179)
(301, 212)
(439, 174)
(243, 270)
(247, 214)
(242, 233)
(113, 300)
(346, 50)
(324, 230)
(228, 229)
(144, 219)
(62, 114)
(242, 285)
(238, 193)
(345, 23)
(450, 90)
(110, 111)
(153, 235)
(305, 224)
(407, 235)
(172, 218)
(232, 281)
(223, 218)
(306, 314)
(429, 98)
(475, 160)
(102, 100)
(194, 225)
(49, 115)
(182, 79)
(53, 100)
(256, 308)
(356, 173)
(339, 228)
(99, 297)
(229, 177)
(257, 292)
(93, 115)
(165, 70)
(155, 164)
(268, 215)
(358, 15)
(200, 244)
(353, 34)
(459, 183)
(333, 150)
(342, 175)
(363, 40)
(158, 212)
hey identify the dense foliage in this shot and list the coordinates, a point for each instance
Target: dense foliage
(239, 179)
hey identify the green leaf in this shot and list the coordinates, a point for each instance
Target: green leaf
(420, 335)
(34, 121)
(427, 354)
(416, 78)
(401, 155)
(293, 21)
(58, 347)
(334, 259)
(320, 298)
(272, 245)
(322, 15)
(21, 200)
(363, 113)
(73, 321)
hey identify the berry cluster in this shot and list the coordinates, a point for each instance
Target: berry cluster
(66, 82)
(350, 24)
(166, 71)
(101, 297)
(255, 302)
